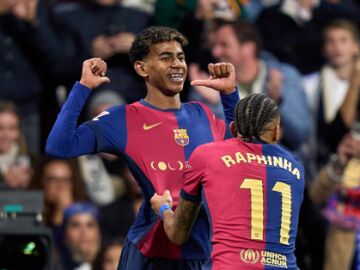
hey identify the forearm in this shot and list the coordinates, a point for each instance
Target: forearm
(177, 237)
(321, 188)
(178, 225)
(348, 108)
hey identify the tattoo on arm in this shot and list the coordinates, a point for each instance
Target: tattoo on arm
(185, 215)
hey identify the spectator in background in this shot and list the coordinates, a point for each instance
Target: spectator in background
(328, 88)
(81, 237)
(94, 28)
(109, 256)
(238, 42)
(290, 30)
(337, 188)
(103, 184)
(62, 186)
(19, 79)
(15, 167)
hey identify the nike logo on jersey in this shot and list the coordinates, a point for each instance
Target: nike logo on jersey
(101, 114)
(148, 127)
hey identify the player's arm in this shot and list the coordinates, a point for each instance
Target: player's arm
(177, 224)
(222, 79)
(66, 139)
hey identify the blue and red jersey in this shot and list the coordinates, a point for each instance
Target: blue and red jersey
(253, 193)
(156, 144)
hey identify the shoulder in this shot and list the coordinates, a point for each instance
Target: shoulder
(288, 155)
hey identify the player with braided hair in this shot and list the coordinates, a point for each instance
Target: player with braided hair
(252, 189)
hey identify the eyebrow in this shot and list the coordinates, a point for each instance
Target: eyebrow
(170, 53)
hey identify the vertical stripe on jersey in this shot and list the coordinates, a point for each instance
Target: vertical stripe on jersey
(186, 119)
(283, 204)
(252, 207)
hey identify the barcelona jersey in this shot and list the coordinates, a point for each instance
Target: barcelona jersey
(253, 193)
(156, 144)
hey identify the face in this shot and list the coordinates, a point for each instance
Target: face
(82, 234)
(58, 182)
(6, 5)
(226, 47)
(340, 48)
(309, 4)
(111, 257)
(9, 130)
(165, 68)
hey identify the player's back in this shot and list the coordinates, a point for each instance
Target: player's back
(253, 193)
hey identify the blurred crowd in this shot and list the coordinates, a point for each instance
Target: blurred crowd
(304, 54)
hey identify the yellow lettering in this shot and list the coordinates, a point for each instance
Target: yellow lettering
(250, 157)
(278, 161)
(269, 160)
(261, 159)
(287, 165)
(228, 160)
(296, 173)
(239, 157)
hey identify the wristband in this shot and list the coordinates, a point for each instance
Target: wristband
(162, 209)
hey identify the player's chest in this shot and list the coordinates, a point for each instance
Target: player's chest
(167, 131)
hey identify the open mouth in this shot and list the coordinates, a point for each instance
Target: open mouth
(176, 77)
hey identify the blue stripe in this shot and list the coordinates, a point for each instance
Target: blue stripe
(194, 119)
(274, 204)
(146, 217)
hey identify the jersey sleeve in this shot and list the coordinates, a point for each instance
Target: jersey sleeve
(194, 173)
(229, 104)
(110, 129)
(66, 139)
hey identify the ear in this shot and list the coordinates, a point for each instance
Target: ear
(276, 134)
(233, 129)
(140, 68)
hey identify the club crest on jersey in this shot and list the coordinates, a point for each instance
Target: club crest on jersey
(181, 137)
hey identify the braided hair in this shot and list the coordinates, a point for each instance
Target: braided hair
(253, 114)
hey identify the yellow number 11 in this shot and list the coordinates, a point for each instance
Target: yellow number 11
(257, 208)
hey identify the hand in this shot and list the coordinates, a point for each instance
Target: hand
(101, 47)
(26, 10)
(274, 84)
(348, 148)
(195, 73)
(121, 43)
(222, 78)
(158, 200)
(93, 73)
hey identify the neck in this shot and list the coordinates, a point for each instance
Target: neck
(161, 101)
(344, 72)
(248, 71)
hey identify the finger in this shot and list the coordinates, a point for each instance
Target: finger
(223, 68)
(217, 70)
(105, 79)
(206, 83)
(211, 70)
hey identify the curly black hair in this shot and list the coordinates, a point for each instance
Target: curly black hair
(153, 35)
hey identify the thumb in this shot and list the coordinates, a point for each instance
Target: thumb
(206, 83)
(167, 192)
(105, 79)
